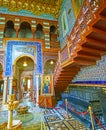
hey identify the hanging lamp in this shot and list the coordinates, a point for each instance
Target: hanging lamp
(25, 63)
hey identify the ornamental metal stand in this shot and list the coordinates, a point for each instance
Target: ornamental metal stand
(90, 111)
(66, 103)
(12, 104)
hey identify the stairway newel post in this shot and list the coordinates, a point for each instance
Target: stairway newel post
(66, 103)
(91, 113)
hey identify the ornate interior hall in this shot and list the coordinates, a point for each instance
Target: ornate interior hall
(52, 64)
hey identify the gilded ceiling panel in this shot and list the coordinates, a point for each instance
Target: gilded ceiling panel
(37, 7)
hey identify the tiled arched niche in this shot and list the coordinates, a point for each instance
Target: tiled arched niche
(11, 47)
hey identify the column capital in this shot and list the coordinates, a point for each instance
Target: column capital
(10, 77)
(37, 75)
(33, 29)
(5, 78)
(17, 28)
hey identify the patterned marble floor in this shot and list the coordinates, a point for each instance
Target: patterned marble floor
(54, 119)
(59, 121)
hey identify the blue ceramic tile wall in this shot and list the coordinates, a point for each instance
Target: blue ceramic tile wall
(95, 74)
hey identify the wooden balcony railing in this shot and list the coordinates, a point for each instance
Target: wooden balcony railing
(64, 54)
(57, 68)
(84, 21)
(83, 26)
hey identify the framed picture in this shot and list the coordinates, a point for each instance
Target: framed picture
(47, 85)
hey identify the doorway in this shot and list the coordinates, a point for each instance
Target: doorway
(24, 68)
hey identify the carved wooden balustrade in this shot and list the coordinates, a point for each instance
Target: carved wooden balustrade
(85, 44)
(64, 54)
(84, 23)
(57, 69)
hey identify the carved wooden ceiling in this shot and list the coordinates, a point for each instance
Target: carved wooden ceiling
(37, 7)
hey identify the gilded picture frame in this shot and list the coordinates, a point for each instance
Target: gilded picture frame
(47, 85)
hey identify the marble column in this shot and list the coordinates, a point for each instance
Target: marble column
(37, 90)
(34, 81)
(4, 90)
(10, 85)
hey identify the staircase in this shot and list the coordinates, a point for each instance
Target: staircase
(85, 44)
